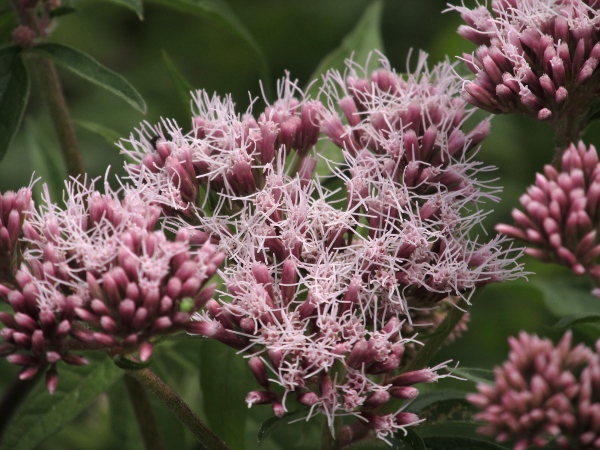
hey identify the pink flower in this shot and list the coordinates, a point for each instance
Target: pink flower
(543, 392)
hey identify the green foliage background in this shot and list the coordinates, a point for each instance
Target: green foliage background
(294, 36)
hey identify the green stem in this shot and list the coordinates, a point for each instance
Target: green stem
(178, 407)
(329, 442)
(45, 72)
(52, 93)
(143, 413)
(433, 344)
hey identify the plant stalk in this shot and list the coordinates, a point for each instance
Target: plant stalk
(178, 407)
(143, 413)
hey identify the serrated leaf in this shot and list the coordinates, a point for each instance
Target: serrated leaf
(182, 86)
(14, 93)
(459, 443)
(455, 410)
(474, 374)
(219, 10)
(410, 441)
(43, 414)
(575, 319)
(272, 423)
(109, 135)
(359, 43)
(88, 68)
(222, 374)
(127, 364)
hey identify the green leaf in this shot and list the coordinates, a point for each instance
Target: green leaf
(134, 5)
(109, 135)
(219, 11)
(459, 443)
(44, 414)
(90, 69)
(429, 398)
(14, 92)
(127, 364)
(568, 296)
(182, 86)
(575, 319)
(224, 391)
(358, 44)
(123, 424)
(272, 423)
(47, 162)
(474, 374)
(410, 441)
(62, 11)
(454, 410)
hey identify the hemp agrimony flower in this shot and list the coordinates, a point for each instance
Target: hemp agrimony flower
(321, 282)
(96, 275)
(537, 58)
(543, 392)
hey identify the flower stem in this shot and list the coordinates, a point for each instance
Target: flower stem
(329, 442)
(52, 93)
(178, 407)
(45, 72)
(143, 413)
(433, 344)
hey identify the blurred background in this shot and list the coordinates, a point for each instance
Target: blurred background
(294, 36)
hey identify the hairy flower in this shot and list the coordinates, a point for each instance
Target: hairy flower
(543, 392)
(535, 57)
(560, 220)
(97, 276)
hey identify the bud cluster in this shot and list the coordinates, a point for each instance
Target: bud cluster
(543, 392)
(537, 58)
(14, 207)
(96, 275)
(561, 213)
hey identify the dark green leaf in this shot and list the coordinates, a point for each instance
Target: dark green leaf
(219, 11)
(14, 92)
(44, 414)
(269, 425)
(110, 136)
(569, 296)
(90, 69)
(576, 319)
(182, 86)
(134, 5)
(474, 374)
(428, 398)
(128, 364)
(123, 424)
(459, 443)
(358, 44)
(222, 374)
(62, 11)
(409, 441)
(455, 410)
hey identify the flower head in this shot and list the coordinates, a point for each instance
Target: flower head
(543, 392)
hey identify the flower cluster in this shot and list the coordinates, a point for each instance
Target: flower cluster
(97, 276)
(14, 207)
(537, 58)
(561, 213)
(225, 151)
(543, 392)
(321, 283)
